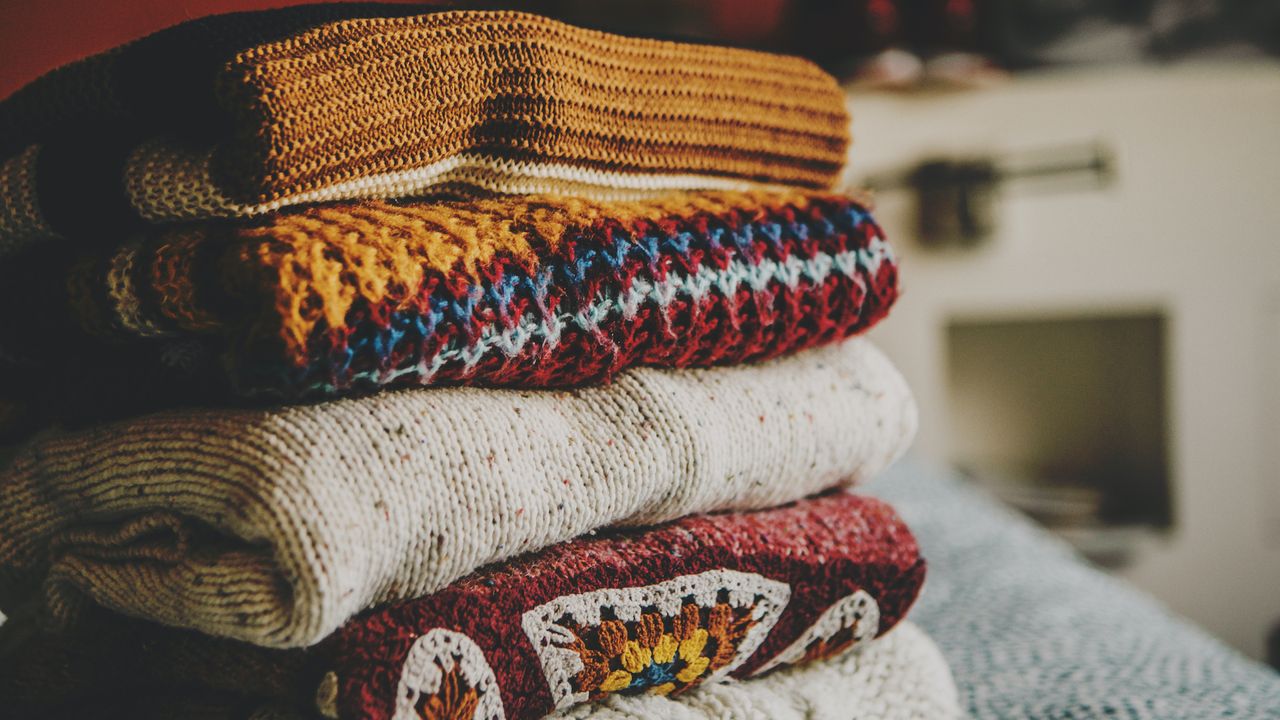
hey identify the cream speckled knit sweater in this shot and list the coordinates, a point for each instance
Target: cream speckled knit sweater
(275, 526)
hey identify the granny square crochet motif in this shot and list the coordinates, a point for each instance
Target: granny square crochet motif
(278, 525)
(242, 115)
(657, 612)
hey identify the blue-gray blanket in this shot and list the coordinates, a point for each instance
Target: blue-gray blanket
(1032, 632)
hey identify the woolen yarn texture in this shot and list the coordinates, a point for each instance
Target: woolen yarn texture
(276, 526)
(901, 676)
(494, 101)
(529, 291)
(704, 599)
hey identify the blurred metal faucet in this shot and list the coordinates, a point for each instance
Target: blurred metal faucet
(956, 198)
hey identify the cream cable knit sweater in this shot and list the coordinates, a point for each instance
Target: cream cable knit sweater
(275, 526)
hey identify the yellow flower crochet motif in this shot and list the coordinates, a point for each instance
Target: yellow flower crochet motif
(656, 654)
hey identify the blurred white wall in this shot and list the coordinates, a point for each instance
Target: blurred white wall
(1190, 230)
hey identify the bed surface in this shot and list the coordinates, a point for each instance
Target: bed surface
(1031, 631)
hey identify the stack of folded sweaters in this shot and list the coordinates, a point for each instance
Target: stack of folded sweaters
(396, 363)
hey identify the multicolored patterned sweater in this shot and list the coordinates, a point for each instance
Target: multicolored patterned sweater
(701, 600)
(242, 115)
(535, 291)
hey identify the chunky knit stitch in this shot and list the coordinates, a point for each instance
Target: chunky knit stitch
(1032, 631)
(397, 106)
(659, 612)
(530, 291)
(900, 676)
(277, 525)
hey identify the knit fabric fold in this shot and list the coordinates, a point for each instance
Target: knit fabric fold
(246, 114)
(277, 525)
(657, 612)
(900, 676)
(514, 291)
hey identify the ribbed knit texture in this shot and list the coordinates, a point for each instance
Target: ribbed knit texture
(520, 291)
(163, 80)
(276, 526)
(396, 106)
(900, 676)
(660, 611)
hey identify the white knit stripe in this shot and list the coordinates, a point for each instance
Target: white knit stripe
(20, 216)
(166, 182)
(323, 510)
(535, 326)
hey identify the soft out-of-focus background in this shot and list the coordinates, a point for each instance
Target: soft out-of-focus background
(1086, 194)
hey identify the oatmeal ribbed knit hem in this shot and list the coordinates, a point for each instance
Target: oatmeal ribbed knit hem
(276, 526)
(316, 109)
